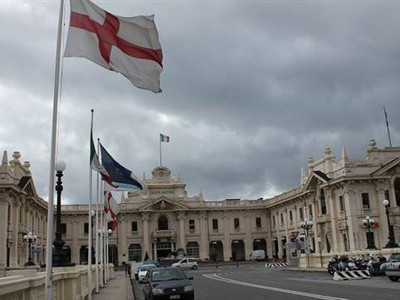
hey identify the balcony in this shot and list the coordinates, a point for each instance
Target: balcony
(169, 233)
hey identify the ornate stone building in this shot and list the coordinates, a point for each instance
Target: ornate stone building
(337, 195)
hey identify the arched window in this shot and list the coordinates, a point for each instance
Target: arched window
(162, 223)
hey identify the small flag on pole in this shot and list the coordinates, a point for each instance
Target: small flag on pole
(127, 45)
(164, 138)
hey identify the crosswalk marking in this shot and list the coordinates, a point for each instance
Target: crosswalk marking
(214, 276)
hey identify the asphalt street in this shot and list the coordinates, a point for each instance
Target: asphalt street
(255, 282)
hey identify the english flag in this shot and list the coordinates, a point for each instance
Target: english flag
(127, 45)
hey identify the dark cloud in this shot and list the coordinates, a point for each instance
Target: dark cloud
(250, 90)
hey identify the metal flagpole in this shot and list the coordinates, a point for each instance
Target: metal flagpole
(50, 210)
(160, 152)
(97, 228)
(387, 126)
(90, 229)
(101, 234)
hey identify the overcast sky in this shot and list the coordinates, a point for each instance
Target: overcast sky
(250, 90)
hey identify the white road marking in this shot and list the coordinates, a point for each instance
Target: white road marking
(270, 288)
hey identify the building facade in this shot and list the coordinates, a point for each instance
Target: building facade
(337, 195)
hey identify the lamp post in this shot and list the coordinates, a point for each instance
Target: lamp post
(29, 239)
(307, 225)
(369, 222)
(392, 242)
(59, 257)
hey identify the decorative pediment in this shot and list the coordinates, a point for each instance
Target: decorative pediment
(163, 204)
(315, 179)
(26, 185)
(391, 168)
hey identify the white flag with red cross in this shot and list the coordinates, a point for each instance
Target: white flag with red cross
(127, 45)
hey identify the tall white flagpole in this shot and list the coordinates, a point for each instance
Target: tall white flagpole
(97, 229)
(90, 228)
(160, 151)
(54, 131)
(101, 236)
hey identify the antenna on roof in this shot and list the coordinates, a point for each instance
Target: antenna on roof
(387, 126)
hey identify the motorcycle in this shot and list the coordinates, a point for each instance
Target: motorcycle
(333, 265)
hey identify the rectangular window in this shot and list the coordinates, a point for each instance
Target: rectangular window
(215, 224)
(301, 213)
(258, 222)
(236, 223)
(86, 228)
(63, 228)
(341, 203)
(191, 225)
(134, 226)
(290, 217)
(310, 211)
(273, 221)
(282, 223)
(365, 200)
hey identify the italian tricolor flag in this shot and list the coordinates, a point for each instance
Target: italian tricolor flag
(164, 138)
(95, 164)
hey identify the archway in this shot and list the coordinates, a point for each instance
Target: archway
(238, 252)
(135, 252)
(216, 251)
(260, 244)
(84, 255)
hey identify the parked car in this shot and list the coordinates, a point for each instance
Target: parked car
(143, 271)
(168, 283)
(395, 257)
(151, 262)
(392, 271)
(186, 263)
(257, 255)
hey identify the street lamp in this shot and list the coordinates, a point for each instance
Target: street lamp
(306, 225)
(29, 239)
(59, 257)
(392, 242)
(369, 222)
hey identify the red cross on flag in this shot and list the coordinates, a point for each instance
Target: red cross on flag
(128, 45)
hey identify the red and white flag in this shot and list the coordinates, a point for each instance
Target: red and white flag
(128, 45)
(110, 209)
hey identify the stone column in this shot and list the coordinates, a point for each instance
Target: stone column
(75, 243)
(204, 241)
(269, 251)
(227, 240)
(315, 230)
(15, 228)
(348, 211)
(383, 228)
(332, 211)
(146, 234)
(182, 242)
(4, 202)
(248, 242)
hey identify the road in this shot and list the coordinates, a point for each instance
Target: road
(255, 282)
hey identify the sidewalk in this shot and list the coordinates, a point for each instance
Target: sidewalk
(117, 288)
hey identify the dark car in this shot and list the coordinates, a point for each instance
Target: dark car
(167, 283)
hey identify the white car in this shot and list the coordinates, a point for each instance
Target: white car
(186, 263)
(142, 272)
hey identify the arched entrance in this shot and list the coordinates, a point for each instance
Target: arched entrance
(238, 252)
(260, 244)
(216, 251)
(163, 249)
